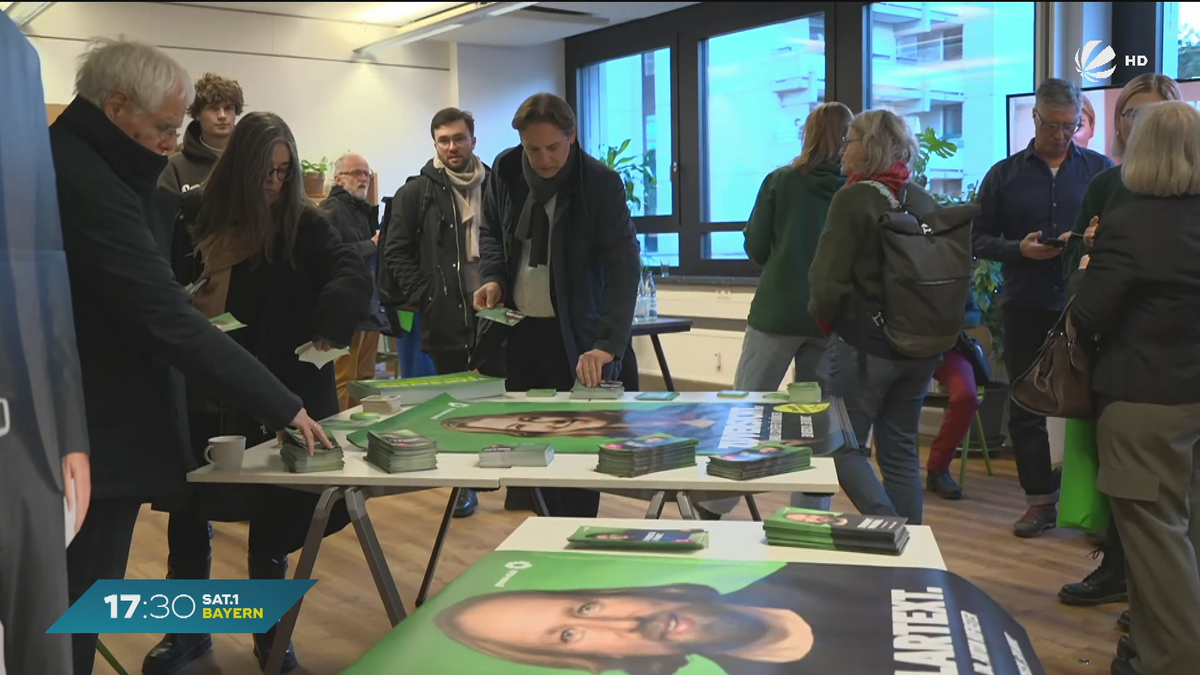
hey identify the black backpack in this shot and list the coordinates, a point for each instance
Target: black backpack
(927, 265)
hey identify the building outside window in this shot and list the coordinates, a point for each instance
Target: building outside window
(1181, 40)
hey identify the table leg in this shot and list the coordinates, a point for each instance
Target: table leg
(436, 553)
(662, 362)
(685, 506)
(304, 568)
(656, 506)
(539, 503)
(384, 581)
(753, 506)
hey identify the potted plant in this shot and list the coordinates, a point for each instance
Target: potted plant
(314, 176)
(986, 280)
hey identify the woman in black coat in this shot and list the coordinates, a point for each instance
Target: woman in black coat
(252, 245)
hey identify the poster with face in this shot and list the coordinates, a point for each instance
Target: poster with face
(517, 612)
(580, 427)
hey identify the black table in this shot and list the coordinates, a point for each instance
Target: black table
(658, 327)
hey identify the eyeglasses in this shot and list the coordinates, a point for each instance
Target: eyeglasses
(356, 174)
(281, 172)
(447, 141)
(1130, 114)
(1068, 128)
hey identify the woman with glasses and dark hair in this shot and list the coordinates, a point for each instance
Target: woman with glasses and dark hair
(1106, 193)
(251, 244)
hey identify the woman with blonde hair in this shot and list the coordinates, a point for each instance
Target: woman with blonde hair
(1138, 296)
(1106, 193)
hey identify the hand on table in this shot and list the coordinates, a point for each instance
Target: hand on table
(488, 296)
(311, 430)
(1030, 248)
(591, 367)
(77, 467)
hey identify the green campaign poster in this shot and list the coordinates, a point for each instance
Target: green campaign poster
(563, 613)
(582, 426)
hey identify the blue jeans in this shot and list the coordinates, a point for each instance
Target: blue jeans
(890, 399)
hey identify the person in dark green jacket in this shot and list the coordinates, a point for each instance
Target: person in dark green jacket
(1107, 192)
(781, 236)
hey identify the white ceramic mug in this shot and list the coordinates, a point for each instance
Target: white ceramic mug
(226, 452)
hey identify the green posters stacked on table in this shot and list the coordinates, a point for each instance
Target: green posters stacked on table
(570, 613)
(580, 427)
(633, 539)
(805, 528)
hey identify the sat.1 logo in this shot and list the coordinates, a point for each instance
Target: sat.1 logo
(1098, 67)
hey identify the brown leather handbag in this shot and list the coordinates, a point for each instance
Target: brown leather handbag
(1059, 382)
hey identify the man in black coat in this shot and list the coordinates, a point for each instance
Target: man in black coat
(135, 326)
(558, 244)
(358, 224)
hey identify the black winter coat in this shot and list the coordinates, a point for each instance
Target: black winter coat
(424, 252)
(134, 324)
(595, 258)
(356, 222)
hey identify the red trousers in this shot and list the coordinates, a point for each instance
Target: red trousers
(958, 377)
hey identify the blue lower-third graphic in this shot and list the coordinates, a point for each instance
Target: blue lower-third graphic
(182, 606)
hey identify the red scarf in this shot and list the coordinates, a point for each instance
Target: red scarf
(896, 177)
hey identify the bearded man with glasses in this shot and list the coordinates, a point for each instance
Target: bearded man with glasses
(1029, 203)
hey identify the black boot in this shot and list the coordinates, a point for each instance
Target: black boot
(1123, 621)
(271, 568)
(176, 650)
(1125, 648)
(1106, 584)
(943, 485)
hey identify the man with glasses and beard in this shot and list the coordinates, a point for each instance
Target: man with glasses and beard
(357, 222)
(432, 250)
(1029, 203)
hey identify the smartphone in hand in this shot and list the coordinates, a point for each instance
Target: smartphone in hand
(1052, 241)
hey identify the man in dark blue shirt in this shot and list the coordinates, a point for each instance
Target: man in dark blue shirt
(1029, 203)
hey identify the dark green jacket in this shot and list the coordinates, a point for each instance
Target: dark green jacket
(782, 236)
(1105, 193)
(850, 253)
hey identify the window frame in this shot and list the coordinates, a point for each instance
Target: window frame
(685, 31)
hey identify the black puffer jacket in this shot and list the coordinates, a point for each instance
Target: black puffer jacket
(424, 252)
(356, 222)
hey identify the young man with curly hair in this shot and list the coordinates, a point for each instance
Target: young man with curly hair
(215, 110)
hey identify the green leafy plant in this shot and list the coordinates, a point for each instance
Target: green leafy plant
(307, 167)
(633, 171)
(986, 276)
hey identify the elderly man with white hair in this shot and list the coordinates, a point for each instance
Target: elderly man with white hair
(136, 329)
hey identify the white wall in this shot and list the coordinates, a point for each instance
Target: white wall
(494, 81)
(303, 70)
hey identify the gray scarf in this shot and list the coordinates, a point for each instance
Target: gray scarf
(534, 225)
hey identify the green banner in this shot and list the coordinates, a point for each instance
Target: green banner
(527, 613)
(582, 426)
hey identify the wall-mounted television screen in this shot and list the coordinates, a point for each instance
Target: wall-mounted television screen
(1103, 100)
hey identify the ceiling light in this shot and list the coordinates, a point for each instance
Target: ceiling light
(442, 22)
(402, 12)
(23, 12)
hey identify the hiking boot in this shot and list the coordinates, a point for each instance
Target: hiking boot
(942, 484)
(1036, 520)
(1105, 584)
(466, 504)
(175, 651)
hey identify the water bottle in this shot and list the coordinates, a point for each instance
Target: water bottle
(651, 299)
(639, 309)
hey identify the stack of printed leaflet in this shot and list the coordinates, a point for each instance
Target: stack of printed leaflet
(606, 391)
(628, 539)
(401, 451)
(831, 531)
(522, 454)
(804, 392)
(382, 405)
(646, 454)
(297, 460)
(764, 459)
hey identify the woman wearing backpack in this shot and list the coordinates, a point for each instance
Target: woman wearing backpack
(880, 386)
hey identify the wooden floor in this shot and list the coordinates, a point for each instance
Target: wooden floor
(343, 617)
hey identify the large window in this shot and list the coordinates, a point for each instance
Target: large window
(948, 66)
(1181, 39)
(759, 86)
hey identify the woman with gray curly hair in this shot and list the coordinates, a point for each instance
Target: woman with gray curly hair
(847, 290)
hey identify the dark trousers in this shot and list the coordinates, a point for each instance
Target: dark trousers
(1025, 330)
(33, 564)
(99, 551)
(537, 359)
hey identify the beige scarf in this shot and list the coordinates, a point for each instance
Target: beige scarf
(468, 195)
(211, 297)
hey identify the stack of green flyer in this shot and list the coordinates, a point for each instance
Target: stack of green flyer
(628, 539)
(401, 451)
(646, 454)
(522, 454)
(764, 459)
(832, 531)
(297, 460)
(606, 391)
(804, 392)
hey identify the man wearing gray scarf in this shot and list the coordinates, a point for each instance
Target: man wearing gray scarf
(558, 244)
(431, 251)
